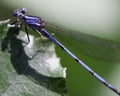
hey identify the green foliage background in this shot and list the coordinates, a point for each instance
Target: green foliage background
(100, 54)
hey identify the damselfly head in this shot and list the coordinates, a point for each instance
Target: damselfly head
(20, 12)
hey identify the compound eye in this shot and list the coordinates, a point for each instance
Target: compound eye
(18, 12)
(15, 14)
(23, 10)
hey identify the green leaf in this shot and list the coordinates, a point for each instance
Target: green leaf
(84, 44)
(32, 70)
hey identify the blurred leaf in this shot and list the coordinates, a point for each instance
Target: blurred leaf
(30, 67)
(80, 43)
(30, 70)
